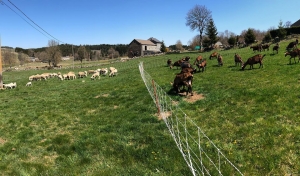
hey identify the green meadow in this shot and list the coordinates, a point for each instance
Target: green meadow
(110, 126)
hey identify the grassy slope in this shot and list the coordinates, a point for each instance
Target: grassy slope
(109, 127)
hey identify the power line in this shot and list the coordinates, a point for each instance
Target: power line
(30, 20)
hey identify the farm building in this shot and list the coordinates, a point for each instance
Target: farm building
(296, 24)
(144, 47)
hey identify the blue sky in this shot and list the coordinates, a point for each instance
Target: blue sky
(93, 22)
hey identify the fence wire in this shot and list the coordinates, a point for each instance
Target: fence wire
(202, 156)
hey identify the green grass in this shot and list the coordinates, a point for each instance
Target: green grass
(109, 126)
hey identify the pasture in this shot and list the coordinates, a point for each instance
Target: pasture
(110, 127)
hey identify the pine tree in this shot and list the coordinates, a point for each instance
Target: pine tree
(249, 36)
(163, 47)
(211, 32)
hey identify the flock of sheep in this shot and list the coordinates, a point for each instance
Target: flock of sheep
(95, 74)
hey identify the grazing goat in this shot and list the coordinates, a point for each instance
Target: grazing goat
(256, 47)
(188, 69)
(254, 60)
(220, 60)
(169, 63)
(293, 54)
(177, 63)
(183, 79)
(276, 48)
(29, 84)
(198, 60)
(202, 65)
(292, 45)
(214, 54)
(238, 60)
(265, 46)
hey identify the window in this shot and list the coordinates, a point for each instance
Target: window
(145, 48)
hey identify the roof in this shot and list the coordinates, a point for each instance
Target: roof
(144, 42)
(297, 23)
(154, 40)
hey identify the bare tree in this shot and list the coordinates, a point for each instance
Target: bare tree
(53, 52)
(198, 18)
(82, 54)
(179, 45)
(288, 24)
(42, 56)
(23, 58)
(9, 58)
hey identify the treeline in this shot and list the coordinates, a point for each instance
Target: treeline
(68, 49)
(282, 32)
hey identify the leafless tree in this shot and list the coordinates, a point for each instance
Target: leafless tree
(42, 56)
(82, 54)
(288, 24)
(198, 18)
(53, 52)
(179, 45)
(112, 53)
(9, 58)
(23, 58)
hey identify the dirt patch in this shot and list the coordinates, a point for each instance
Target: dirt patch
(2, 141)
(103, 95)
(163, 115)
(194, 98)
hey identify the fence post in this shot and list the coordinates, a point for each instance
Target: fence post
(156, 98)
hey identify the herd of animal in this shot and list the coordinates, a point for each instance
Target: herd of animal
(95, 74)
(185, 77)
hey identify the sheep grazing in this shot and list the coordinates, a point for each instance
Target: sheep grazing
(91, 71)
(103, 71)
(28, 84)
(220, 60)
(113, 72)
(82, 74)
(95, 75)
(257, 59)
(293, 54)
(71, 75)
(61, 77)
(10, 85)
(238, 60)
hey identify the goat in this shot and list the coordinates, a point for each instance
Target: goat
(292, 45)
(265, 46)
(293, 54)
(198, 60)
(202, 65)
(177, 63)
(238, 60)
(169, 63)
(254, 60)
(276, 48)
(214, 54)
(183, 79)
(220, 60)
(256, 47)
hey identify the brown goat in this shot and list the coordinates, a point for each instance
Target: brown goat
(202, 65)
(293, 54)
(276, 48)
(292, 45)
(183, 79)
(238, 60)
(188, 69)
(265, 46)
(198, 60)
(177, 63)
(256, 47)
(214, 54)
(220, 60)
(257, 59)
(169, 63)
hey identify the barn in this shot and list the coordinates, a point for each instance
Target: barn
(144, 47)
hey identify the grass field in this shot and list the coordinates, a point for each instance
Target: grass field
(109, 126)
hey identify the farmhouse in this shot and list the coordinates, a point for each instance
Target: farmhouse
(296, 24)
(144, 47)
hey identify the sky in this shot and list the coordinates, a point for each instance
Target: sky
(32, 23)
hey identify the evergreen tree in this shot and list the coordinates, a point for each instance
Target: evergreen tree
(163, 47)
(211, 32)
(249, 36)
(267, 37)
(232, 40)
(281, 33)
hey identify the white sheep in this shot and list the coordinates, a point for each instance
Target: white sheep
(95, 75)
(113, 72)
(10, 85)
(29, 83)
(82, 74)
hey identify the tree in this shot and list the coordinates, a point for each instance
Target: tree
(232, 40)
(211, 32)
(22, 58)
(281, 33)
(9, 58)
(82, 54)
(112, 53)
(249, 36)
(198, 18)
(179, 45)
(288, 24)
(267, 37)
(53, 53)
(163, 47)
